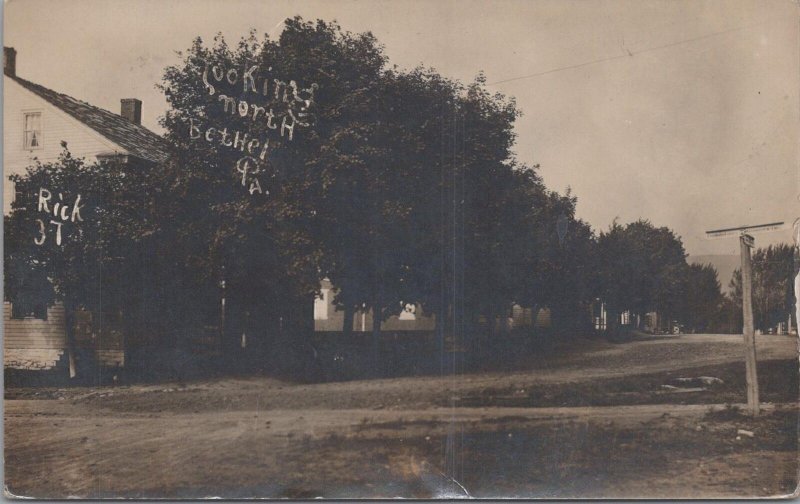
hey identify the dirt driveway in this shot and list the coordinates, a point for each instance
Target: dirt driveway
(418, 437)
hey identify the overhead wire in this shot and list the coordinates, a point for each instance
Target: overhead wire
(629, 54)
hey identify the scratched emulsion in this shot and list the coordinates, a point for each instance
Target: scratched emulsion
(62, 213)
(277, 105)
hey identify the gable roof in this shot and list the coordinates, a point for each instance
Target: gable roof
(135, 139)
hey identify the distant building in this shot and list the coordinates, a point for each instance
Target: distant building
(411, 318)
(328, 318)
(36, 120)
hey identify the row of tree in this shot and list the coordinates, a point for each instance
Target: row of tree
(403, 188)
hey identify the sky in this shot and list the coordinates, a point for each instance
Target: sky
(681, 112)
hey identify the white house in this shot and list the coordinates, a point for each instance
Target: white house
(36, 120)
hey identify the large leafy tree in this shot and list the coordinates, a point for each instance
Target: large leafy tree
(773, 296)
(396, 249)
(339, 188)
(223, 226)
(702, 299)
(488, 198)
(567, 263)
(643, 269)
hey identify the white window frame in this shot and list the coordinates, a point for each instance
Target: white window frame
(40, 139)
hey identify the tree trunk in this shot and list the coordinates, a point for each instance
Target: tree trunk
(491, 315)
(612, 322)
(438, 331)
(69, 320)
(347, 325)
(377, 317)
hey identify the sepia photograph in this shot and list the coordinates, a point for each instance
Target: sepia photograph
(421, 249)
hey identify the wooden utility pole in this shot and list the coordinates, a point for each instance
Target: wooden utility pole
(746, 242)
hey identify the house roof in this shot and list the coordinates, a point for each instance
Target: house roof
(135, 139)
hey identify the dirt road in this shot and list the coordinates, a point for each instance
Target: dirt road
(414, 437)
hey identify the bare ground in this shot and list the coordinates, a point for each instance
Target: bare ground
(591, 420)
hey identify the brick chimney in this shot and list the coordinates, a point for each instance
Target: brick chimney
(131, 110)
(10, 61)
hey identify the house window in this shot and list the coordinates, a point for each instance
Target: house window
(29, 310)
(33, 130)
(321, 305)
